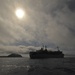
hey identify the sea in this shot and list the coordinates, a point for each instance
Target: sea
(27, 66)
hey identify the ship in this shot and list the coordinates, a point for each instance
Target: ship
(44, 53)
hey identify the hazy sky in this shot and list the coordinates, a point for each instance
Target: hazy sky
(51, 22)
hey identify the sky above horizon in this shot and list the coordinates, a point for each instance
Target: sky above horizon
(49, 22)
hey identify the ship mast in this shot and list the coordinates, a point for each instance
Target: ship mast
(45, 47)
(58, 48)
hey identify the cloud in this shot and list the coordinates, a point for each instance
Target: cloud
(6, 50)
(47, 21)
(71, 5)
(24, 50)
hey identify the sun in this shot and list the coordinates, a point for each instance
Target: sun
(20, 13)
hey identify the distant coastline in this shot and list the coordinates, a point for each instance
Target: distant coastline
(11, 55)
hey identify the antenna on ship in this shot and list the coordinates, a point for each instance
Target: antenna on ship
(42, 46)
(58, 48)
(45, 48)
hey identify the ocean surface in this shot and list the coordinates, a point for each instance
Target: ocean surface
(27, 66)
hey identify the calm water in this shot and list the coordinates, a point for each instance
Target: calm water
(26, 66)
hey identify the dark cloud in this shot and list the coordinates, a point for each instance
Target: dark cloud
(71, 5)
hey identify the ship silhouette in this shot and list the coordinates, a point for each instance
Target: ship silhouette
(44, 53)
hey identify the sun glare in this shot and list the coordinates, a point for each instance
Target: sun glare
(20, 13)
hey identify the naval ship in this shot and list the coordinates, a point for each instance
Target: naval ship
(44, 53)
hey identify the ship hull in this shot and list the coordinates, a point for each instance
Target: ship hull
(34, 55)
